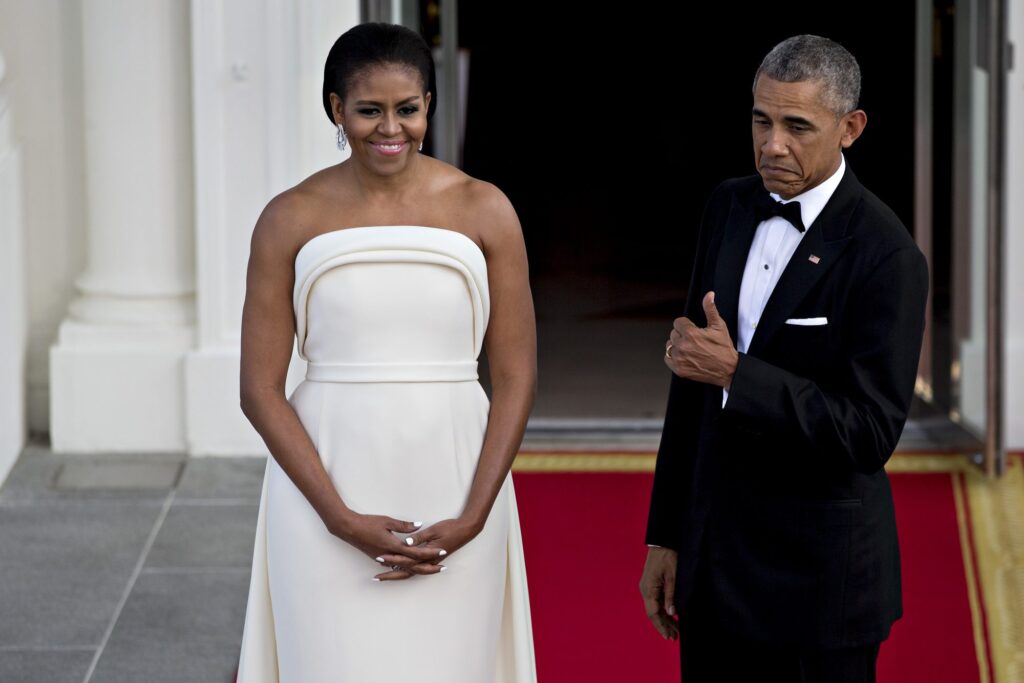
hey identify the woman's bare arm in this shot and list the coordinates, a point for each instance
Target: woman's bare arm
(511, 344)
(268, 331)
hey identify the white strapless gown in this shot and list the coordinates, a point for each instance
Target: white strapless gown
(391, 320)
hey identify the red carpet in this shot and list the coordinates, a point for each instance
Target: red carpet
(583, 533)
(934, 641)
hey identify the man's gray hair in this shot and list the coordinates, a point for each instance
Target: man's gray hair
(813, 58)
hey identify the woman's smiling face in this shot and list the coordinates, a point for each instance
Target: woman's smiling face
(384, 116)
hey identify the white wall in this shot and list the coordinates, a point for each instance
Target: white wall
(13, 321)
(42, 44)
(1013, 250)
(259, 129)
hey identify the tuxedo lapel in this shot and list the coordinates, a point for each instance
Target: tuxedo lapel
(817, 252)
(732, 260)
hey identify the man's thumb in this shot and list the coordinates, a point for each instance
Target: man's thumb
(711, 310)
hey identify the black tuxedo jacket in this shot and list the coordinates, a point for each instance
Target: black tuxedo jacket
(783, 492)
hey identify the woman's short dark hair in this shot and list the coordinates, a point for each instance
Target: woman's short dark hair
(376, 44)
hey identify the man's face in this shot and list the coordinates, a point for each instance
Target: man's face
(797, 138)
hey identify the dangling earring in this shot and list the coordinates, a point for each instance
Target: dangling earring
(342, 140)
(421, 145)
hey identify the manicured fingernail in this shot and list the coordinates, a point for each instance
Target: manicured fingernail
(442, 553)
(443, 568)
(376, 579)
(409, 541)
(379, 559)
(417, 524)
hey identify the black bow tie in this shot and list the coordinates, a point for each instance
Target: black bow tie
(766, 207)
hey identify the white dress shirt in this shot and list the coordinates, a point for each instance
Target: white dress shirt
(774, 243)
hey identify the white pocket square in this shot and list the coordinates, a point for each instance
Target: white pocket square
(807, 322)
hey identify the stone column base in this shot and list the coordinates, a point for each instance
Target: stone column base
(118, 388)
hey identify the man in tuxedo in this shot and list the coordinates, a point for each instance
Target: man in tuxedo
(771, 525)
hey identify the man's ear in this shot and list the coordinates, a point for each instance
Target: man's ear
(852, 125)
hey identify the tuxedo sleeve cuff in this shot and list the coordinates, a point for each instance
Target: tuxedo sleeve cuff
(753, 382)
(655, 541)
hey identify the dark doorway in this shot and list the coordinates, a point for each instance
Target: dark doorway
(609, 131)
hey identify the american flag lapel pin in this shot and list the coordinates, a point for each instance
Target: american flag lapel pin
(814, 259)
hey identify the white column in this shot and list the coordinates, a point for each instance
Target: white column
(116, 370)
(259, 129)
(1013, 235)
(13, 320)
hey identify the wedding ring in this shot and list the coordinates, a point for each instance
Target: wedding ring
(668, 350)
(396, 567)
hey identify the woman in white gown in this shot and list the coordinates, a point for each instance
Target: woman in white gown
(388, 544)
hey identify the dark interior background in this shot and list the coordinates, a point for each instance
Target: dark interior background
(609, 131)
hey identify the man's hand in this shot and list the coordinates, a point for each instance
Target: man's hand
(702, 354)
(658, 587)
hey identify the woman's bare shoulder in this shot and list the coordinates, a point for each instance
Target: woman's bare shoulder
(478, 206)
(293, 216)
(489, 210)
(487, 197)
